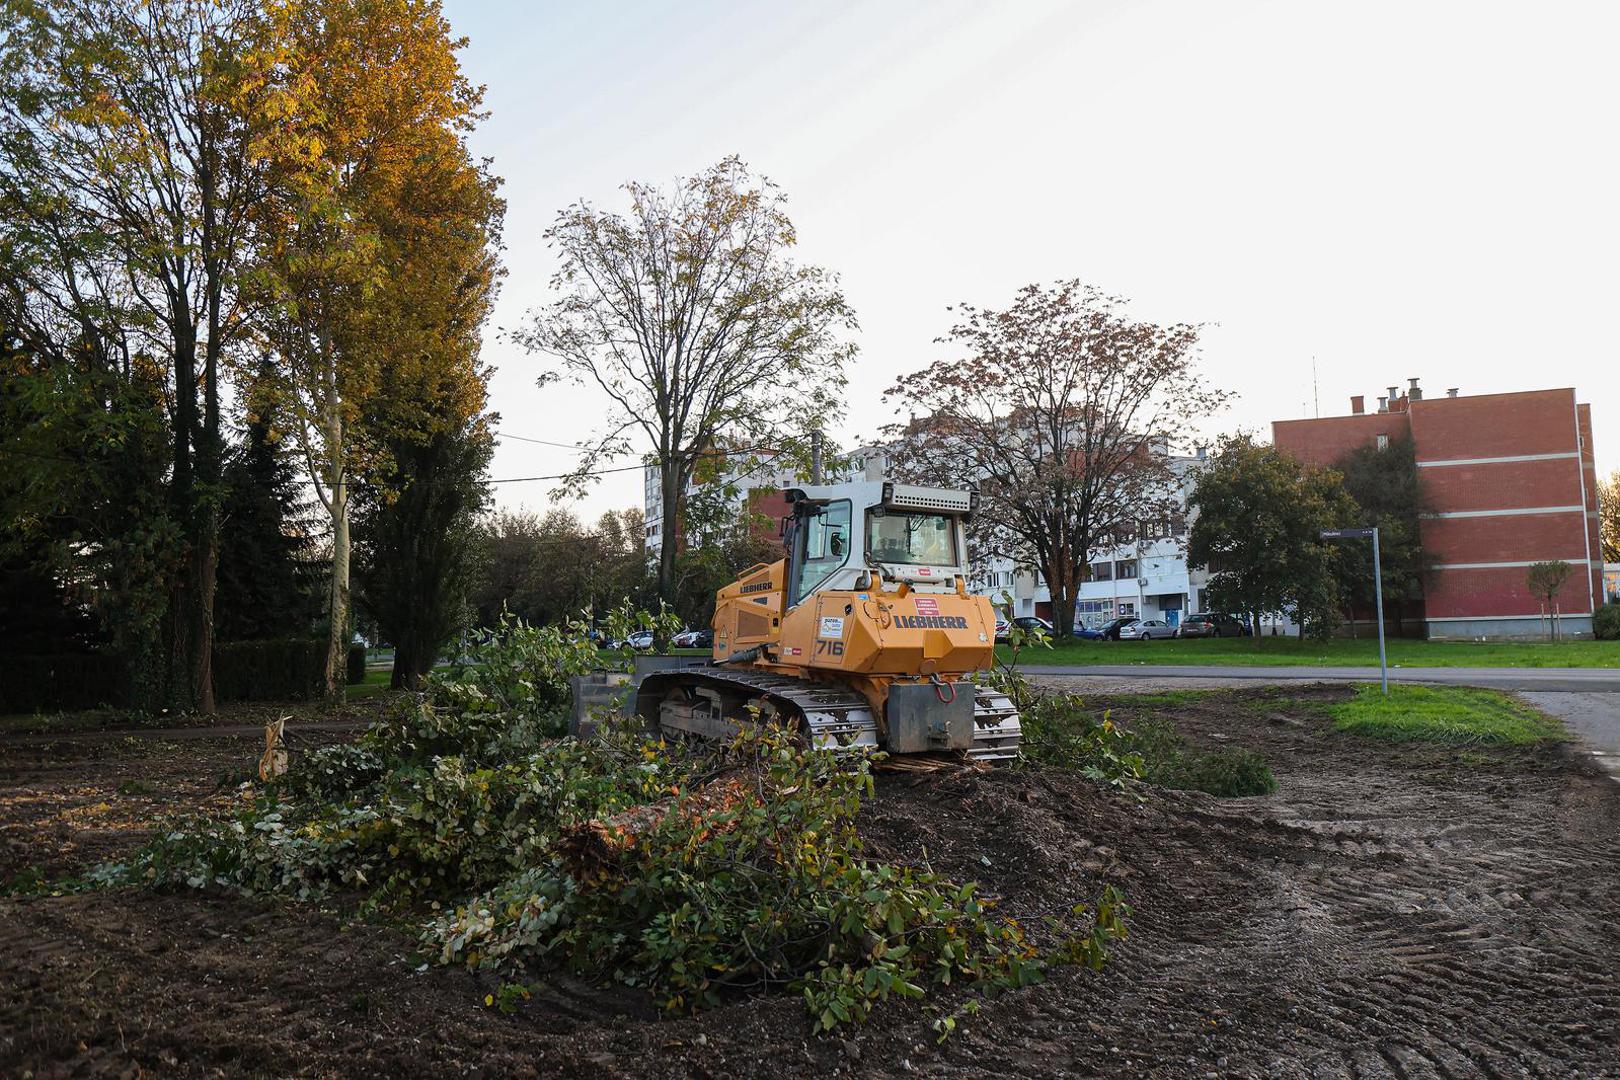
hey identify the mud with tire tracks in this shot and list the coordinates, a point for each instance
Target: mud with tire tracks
(1392, 911)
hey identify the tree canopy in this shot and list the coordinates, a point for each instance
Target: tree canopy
(1258, 525)
(1059, 409)
(1384, 483)
(211, 204)
(690, 317)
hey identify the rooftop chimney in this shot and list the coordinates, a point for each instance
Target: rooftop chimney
(1415, 394)
(1383, 403)
(1452, 392)
(1394, 395)
(1358, 405)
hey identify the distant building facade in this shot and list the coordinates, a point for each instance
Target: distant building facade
(1143, 575)
(757, 481)
(1510, 480)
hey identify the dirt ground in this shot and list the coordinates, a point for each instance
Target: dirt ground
(1392, 911)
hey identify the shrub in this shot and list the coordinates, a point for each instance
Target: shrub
(286, 669)
(517, 673)
(291, 669)
(355, 672)
(1059, 730)
(1170, 762)
(761, 886)
(1606, 623)
(63, 681)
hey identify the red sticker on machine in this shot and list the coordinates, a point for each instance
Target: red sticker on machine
(927, 605)
(924, 571)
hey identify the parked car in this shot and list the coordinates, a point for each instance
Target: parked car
(702, 639)
(1206, 624)
(1090, 633)
(686, 639)
(640, 640)
(1109, 631)
(1033, 624)
(1146, 630)
(1003, 629)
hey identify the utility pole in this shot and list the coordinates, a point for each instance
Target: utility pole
(1378, 590)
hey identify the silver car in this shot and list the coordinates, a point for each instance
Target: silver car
(1146, 630)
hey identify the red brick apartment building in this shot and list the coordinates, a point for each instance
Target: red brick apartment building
(1510, 480)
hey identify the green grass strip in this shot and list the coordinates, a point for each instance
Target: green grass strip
(1446, 714)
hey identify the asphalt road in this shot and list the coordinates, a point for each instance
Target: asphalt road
(1557, 680)
(1586, 700)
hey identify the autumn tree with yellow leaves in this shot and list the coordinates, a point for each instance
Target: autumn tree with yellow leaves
(277, 191)
(377, 263)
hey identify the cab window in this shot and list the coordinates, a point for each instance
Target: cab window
(916, 539)
(822, 545)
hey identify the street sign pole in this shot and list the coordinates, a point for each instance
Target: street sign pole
(1378, 591)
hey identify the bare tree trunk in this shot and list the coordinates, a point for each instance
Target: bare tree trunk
(668, 531)
(205, 555)
(1061, 586)
(337, 646)
(206, 561)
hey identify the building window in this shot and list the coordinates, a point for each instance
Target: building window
(1125, 568)
(1178, 526)
(1102, 571)
(1093, 613)
(1383, 441)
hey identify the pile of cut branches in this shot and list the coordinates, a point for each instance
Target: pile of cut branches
(698, 872)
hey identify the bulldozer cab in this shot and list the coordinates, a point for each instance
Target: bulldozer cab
(863, 535)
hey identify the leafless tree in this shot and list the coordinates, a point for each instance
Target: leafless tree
(1545, 580)
(688, 314)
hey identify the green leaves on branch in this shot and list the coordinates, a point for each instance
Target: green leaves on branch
(698, 872)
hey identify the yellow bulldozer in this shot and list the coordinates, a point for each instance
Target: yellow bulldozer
(864, 636)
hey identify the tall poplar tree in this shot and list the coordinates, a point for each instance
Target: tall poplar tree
(373, 103)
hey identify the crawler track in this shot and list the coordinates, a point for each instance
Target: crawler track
(833, 717)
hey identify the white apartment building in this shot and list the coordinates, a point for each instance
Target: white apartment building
(1144, 575)
(753, 473)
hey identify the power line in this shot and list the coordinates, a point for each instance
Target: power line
(494, 480)
(538, 442)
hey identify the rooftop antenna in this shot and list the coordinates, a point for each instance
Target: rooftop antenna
(1316, 391)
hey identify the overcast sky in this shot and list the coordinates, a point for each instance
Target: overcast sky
(1392, 189)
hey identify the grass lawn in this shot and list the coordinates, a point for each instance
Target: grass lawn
(1346, 652)
(1450, 714)
(376, 682)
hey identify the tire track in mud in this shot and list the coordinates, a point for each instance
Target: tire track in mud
(1394, 911)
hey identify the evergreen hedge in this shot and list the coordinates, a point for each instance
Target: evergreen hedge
(62, 681)
(285, 669)
(356, 672)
